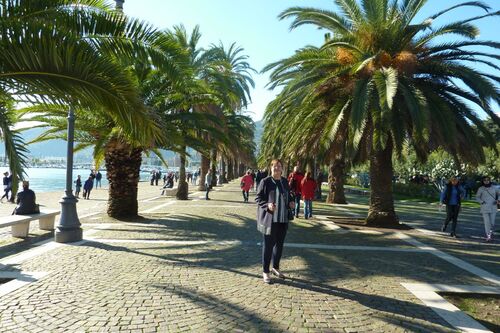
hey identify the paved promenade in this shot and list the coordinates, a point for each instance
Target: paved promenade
(195, 266)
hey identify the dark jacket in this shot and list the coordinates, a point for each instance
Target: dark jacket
(26, 203)
(265, 194)
(88, 185)
(446, 194)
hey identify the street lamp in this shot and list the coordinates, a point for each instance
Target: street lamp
(69, 228)
(119, 5)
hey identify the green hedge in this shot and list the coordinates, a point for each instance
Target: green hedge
(416, 190)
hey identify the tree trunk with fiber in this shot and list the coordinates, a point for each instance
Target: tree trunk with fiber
(182, 186)
(223, 171)
(230, 169)
(123, 163)
(213, 161)
(336, 193)
(205, 165)
(381, 212)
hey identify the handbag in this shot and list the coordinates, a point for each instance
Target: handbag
(496, 199)
(291, 211)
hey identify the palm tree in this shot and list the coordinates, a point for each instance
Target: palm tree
(229, 75)
(399, 84)
(63, 51)
(15, 148)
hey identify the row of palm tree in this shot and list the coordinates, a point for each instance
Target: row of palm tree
(134, 89)
(381, 82)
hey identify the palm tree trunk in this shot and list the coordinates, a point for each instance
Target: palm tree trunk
(205, 165)
(213, 160)
(182, 186)
(336, 192)
(123, 164)
(381, 212)
(230, 169)
(223, 171)
(235, 168)
(242, 169)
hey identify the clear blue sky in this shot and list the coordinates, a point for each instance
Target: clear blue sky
(254, 26)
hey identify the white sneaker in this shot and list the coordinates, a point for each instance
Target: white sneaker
(266, 277)
(278, 273)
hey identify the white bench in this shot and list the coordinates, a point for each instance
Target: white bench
(169, 191)
(21, 223)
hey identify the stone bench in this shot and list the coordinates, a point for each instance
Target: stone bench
(169, 191)
(21, 223)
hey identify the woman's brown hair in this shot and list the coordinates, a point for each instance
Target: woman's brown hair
(276, 160)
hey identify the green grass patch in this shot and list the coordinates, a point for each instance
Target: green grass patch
(483, 308)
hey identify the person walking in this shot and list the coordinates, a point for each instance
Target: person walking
(254, 177)
(451, 196)
(246, 184)
(98, 177)
(152, 178)
(78, 186)
(295, 184)
(208, 183)
(274, 201)
(7, 185)
(87, 187)
(308, 190)
(488, 196)
(26, 201)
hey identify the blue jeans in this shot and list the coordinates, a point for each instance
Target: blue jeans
(207, 188)
(308, 208)
(298, 196)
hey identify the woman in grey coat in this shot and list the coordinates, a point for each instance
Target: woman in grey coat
(273, 202)
(488, 196)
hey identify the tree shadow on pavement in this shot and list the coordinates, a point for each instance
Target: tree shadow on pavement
(244, 319)
(404, 310)
(399, 312)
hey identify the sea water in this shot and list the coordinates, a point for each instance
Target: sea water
(54, 179)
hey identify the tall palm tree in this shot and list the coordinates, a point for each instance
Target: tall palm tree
(313, 106)
(230, 77)
(399, 83)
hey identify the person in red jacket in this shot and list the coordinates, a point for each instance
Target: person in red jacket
(246, 184)
(295, 183)
(308, 187)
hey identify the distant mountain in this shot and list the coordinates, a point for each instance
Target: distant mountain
(54, 149)
(51, 148)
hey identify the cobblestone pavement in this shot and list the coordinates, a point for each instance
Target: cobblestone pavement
(195, 266)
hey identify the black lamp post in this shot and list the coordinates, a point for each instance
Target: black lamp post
(69, 228)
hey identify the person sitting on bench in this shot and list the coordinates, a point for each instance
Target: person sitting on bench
(26, 201)
(169, 183)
